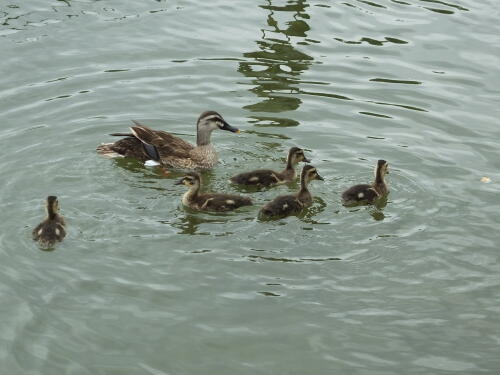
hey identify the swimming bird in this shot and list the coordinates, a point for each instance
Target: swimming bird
(208, 201)
(285, 205)
(369, 193)
(268, 177)
(52, 228)
(144, 143)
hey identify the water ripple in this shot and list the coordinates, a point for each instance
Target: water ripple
(383, 287)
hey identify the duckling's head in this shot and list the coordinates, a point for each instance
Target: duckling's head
(382, 168)
(52, 205)
(190, 179)
(211, 120)
(296, 155)
(310, 173)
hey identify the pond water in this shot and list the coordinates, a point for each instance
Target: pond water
(141, 285)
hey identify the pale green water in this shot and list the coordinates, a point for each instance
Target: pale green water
(140, 286)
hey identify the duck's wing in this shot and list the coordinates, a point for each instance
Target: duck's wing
(160, 144)
(265, 177)
(36, 232)
(282, 205)
(359, 193)
(222, 202)
(48, 232)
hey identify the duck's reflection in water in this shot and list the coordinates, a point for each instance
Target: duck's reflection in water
(276, 67)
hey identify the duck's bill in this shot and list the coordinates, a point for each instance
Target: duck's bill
(180, 182)
(318, 177)
(230, 128)
(306, 160)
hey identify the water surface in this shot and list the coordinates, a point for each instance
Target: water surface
(142, 286)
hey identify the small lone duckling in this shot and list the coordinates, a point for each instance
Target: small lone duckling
(368, 193)
(268, 177)
(209, 201)
(285, 205)
(52, 228)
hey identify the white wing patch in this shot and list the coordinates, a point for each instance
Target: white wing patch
(254, 179)
(285, 206)
(40, 231)
(361, 195)
(229, 201)
(58, 232)
(151, 163)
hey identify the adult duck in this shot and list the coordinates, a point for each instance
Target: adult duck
(144, 143)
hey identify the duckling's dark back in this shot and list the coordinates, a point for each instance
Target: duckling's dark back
(359, 193)
(222, 202)
(48, 232)
(263, 177)
(283, 205)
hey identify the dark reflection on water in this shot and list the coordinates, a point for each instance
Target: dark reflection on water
(191, 220)
(372, 41)
(189, 224)
(318, 206)
(272, 121)
(269, 294)
(445, 4)
(276, 67)
(269, 135)
(376, 210)
(256, 258)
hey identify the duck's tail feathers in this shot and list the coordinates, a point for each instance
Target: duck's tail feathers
(121, 134)
(137, 123)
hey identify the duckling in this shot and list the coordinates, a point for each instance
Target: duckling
(209, 201)
(285, 205)
(366, 193)
(268, 177)
(147, 144)
(52, 228)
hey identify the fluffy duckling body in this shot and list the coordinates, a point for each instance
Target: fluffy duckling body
(144, 143)
(368, 193)
(51, 230)
(285, 205)
(268, 177)
(209, 201)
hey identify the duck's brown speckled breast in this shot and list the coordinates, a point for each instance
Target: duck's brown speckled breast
(204, 157)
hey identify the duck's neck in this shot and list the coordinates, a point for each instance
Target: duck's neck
(289, 171)
(203, 137)
(304, 195)
(51, 213)
(379, 183)
(191, 194)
